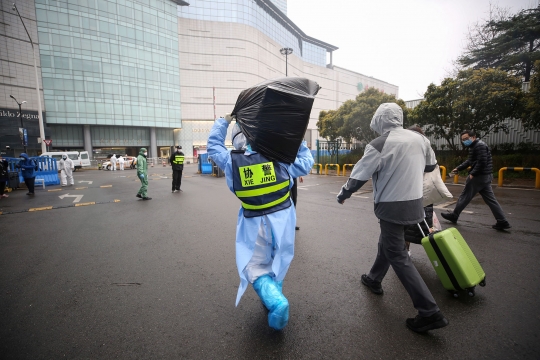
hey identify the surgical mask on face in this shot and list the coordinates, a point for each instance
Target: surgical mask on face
(467, 142)
(145, 154)
(21, 158)
(63, 157)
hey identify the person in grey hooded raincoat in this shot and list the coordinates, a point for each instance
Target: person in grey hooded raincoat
(396, 162)
(265, 243)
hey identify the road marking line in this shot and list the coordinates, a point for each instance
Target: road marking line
(106, 186)
(305, 186)
(41, 208)
(80, 188)
(57, 207)
(84, 181)
(76, 200)
(86, 203)
(55, 190)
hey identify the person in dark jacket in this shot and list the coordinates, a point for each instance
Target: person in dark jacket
(4, 176)
(28, 170)
(478, 181)
(177, 163)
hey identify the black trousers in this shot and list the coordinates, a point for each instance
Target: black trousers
(480, 184)
(30, 184)
(392, 252)
(2, 187)
(177, 179)
(294, 192)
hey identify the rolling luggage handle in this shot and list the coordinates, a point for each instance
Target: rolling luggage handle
(422, 231)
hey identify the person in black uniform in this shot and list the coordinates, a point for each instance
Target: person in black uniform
(177, 163)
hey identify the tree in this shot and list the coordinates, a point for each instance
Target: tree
(326, 126)
(479, 100)
(352, 119)
(531, 115)
(511, 44)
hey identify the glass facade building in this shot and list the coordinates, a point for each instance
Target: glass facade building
(255, 13)
(110, 62)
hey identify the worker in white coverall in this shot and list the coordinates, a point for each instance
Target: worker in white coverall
(265, 241)
(113, 162)
(121, 162)
(66, 167)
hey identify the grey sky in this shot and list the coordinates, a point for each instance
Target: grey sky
(407, 43)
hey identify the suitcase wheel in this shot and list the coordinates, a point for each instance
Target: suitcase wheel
(470, 291)
(482, 283)
(454, 293)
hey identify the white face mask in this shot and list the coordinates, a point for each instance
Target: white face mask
(63, 157)
(145, 154)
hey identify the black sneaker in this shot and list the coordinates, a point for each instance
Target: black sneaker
(147, 198)
(450, 217)
(296, 228)
(139, 196)
(422, 324)
(502, 225)
(374, 286)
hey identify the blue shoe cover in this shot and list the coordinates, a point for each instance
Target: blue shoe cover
(277, 304)
(280, 286)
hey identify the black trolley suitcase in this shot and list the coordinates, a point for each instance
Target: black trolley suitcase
(13, 179)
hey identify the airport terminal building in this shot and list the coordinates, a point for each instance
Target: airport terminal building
(123, 74)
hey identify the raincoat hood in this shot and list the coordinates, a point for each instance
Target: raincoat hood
(387, 117)
(64, 154)
(25, 156)
(142, 151)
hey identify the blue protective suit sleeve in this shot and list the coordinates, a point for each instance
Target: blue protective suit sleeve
(216, 143)
(303, 162)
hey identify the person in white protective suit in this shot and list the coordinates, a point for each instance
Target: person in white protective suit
(264, 238)
(121, 162)
(113, 162)
(66, 167)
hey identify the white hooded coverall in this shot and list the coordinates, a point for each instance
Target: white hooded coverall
(66, 170)
(121, 162)
(113, 162)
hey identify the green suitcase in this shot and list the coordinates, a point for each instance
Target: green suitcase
(453, 261)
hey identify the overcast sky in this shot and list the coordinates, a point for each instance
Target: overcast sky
(408, 43)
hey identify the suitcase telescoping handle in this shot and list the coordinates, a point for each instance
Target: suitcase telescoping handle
(422, 231)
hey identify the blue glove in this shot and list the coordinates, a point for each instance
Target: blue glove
(141, 176)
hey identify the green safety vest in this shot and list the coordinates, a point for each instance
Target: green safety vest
(178, 159)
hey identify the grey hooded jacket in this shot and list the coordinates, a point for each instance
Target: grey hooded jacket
(396, 161)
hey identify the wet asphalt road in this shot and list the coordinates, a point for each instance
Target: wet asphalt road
(157, 279)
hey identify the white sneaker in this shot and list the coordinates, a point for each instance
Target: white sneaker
(409, 251)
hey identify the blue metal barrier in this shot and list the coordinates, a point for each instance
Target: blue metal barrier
(206, 166)
(47, 169)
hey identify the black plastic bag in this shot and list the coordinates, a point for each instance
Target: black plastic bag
(274, 115)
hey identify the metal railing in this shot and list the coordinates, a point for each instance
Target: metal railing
(517, 169)
(326, 168)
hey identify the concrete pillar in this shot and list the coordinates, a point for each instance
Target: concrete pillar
(176, 135)
(88, 140)
(153, 143)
